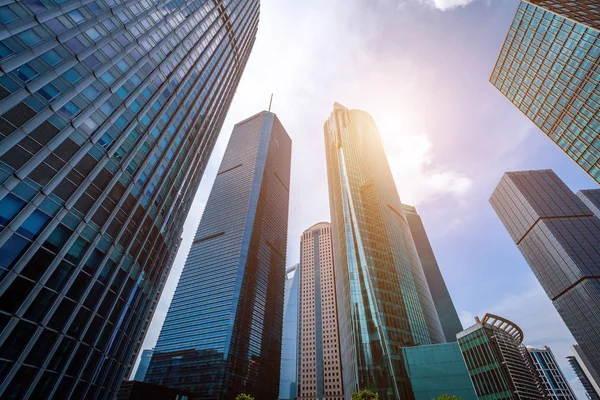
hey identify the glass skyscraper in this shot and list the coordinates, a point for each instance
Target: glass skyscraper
(549, 68)
(559, 236)
(552, 381)
(289, 340)
(498, 369)
(222, 333)
(441, 297)
(383, 300)
(109, 110)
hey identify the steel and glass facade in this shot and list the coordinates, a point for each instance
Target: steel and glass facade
(441, 297)
(495, 363)
(222, 333)
(319, 358)
(383, 300)
(549, 68)
(109, 110)
(289, 341)
(553, 383)
(438, 369)
(559, 236)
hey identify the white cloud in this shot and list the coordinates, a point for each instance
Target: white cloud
(449, 4)
(417, 175)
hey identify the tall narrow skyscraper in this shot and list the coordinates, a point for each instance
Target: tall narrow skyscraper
(559, 236)
(289, 341)
(222, 333)
(549, 68)
(441, 297)
(383, 298)
(109, 111)
(552, 381)
(320, 369)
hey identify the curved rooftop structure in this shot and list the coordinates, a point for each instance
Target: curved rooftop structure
(502, 324)
(321, 224)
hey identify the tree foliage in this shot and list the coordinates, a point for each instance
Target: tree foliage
(448, 397)
(364, 395)
(244, 396)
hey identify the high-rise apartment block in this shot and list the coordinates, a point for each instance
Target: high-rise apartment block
(549, 69)
(319, 358)
(143, 366)
(584, 371)
(222, 333)
(383, 300)
(289, 341)
(495, 363)
(552, 381)
(444, 306)
(109, 111)
(559, 236)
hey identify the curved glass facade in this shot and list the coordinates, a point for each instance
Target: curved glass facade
(222, 333)
(109, 110)
(384, 302)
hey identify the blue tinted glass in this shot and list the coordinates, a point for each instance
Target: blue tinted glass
(6, 15)
(4, 51)
(34, 224)
(30, 37)
(52, 57)
(9, 207)
(72, 75)
(25, 72)
(48, 92)
(11, 250)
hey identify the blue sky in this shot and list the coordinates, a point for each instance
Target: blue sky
(421, 69)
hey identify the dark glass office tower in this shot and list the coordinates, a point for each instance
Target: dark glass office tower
(222, 334)
(549, 68)
(441, 297)
(109, 110)
(559, 236)
(383, 299)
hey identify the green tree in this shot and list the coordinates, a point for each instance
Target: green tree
(364, 395)
(447, 397)
(244, 396)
